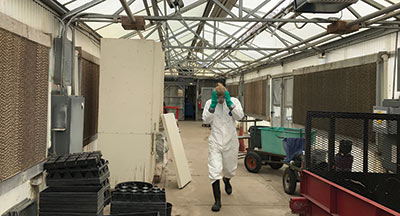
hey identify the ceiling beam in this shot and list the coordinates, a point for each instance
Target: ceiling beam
(220, 5)
(223, 48)
(206, 13)
(82, 8)
(321, 38)
(227, 19)
(183, 10)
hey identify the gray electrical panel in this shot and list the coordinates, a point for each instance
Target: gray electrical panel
(67, 124)
(63, 61)
(386, 133)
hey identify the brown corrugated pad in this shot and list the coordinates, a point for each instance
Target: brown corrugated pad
(90, 90)
(233, 90)
(255, 91)
(23, 103)
(351, 89)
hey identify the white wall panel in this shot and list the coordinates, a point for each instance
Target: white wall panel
(130, 105)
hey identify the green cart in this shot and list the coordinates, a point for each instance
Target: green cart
(266, 148)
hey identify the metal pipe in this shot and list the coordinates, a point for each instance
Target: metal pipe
(323, 34)
(107, 18)
(227, 19)
(374, 14)
(249, 34)
(387, 16)
(222, 48)
(130, 15)
(73, 87)
(82, 8)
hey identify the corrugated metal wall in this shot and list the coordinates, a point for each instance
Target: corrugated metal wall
(24, 67)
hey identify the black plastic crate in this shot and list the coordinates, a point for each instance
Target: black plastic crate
(72, 160)
(147, 213)
(78, 173)
(101, 165)
(131, 184)
(354, 150)
(85, 180)
(137, 207)
(74, 172)
(48, 213)
(72, 196)
(154, 194)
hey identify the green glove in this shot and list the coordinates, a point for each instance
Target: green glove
(228, 100)
(214, 101)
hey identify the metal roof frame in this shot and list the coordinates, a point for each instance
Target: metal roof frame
(231, 50)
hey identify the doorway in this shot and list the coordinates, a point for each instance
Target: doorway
(282, 102)
(190, 102)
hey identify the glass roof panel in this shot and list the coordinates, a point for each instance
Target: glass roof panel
(363, 8)
(113, 31)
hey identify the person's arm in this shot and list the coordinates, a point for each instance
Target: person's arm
(207, 115)
(237, 110)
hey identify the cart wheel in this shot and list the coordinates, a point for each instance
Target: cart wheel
(275, 165)
(253, 162)
(289, 181)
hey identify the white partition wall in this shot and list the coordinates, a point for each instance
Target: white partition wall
(130, 106)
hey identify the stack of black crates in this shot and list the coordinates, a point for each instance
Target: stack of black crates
(77, 183)
(139, 198)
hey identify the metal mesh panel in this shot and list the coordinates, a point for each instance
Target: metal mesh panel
(23, 103)
(365, 161)
(90, 90)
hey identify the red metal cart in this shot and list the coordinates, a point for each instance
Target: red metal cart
(324, 198)
(370, 187)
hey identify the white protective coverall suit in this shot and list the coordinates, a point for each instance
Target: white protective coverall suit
(223, 140)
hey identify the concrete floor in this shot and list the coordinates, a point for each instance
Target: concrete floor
(253, 194)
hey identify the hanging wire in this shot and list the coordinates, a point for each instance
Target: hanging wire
(396, 59)
(300, 26)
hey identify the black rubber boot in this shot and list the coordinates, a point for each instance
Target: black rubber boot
(228, 186)
(217, 196)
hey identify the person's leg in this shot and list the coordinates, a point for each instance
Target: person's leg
(230, 160)
(214, 173)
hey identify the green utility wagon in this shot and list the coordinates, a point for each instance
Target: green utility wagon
(265, 146)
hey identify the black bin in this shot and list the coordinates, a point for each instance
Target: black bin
(255, 136)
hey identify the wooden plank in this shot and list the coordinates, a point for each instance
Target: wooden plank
(178, 152)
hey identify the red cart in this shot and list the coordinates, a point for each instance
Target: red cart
(322, 197)
(350, 179)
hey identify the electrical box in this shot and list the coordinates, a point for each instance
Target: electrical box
(321, 6)
(386, 132)
(63, 61)
(67, 124)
